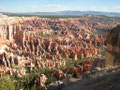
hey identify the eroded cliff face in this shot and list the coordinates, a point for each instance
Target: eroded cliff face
(42, 42)
(52, 38)
(113, 47)
(58, 45)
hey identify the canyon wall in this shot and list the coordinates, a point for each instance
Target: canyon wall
(113, 47)
(44, 42)
(12, 32)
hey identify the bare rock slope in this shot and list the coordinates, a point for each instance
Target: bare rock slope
(108, 78)
(113, 47)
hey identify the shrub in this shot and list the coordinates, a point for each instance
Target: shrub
(6, 84)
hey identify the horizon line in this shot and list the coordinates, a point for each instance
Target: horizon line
(61, 11)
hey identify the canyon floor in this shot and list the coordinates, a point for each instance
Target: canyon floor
(45, 53)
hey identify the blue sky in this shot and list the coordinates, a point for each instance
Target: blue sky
(59, 5)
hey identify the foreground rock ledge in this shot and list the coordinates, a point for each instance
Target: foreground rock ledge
(113, 47)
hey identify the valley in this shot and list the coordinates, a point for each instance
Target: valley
(36, 51)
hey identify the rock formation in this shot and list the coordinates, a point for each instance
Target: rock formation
(113, 47)
(63, 48)
(43, 42)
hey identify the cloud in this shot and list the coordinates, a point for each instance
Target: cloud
(3, 8)
(40, 8)
(54, 6)
(117, 7)
(104, 9)
(93, 8)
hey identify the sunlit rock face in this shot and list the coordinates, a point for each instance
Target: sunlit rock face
(113, 47)
(28, 34)
(3, 16)
(40, 42)
(40, 81)
(2, 48)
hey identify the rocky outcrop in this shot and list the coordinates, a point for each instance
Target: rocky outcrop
(44, 42)
(40, 81)
(113, 47)
(3, 16)
(30, 44)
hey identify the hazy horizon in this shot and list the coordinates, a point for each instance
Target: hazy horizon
(60, 11)
(22, 6)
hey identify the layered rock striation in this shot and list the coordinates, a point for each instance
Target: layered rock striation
(44, 42)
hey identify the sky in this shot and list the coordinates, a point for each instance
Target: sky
(59, 5)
